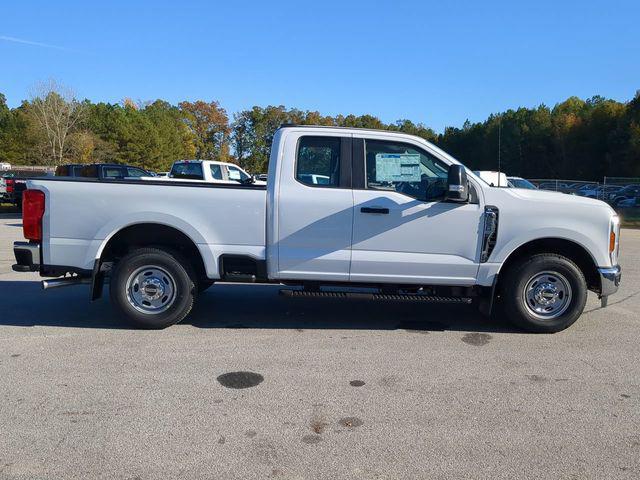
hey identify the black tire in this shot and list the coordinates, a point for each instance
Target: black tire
(180, 279)
(519, 308)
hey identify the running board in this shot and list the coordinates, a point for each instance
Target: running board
(239, 277)
(375, 296)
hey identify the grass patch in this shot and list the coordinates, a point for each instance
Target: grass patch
(630, 218)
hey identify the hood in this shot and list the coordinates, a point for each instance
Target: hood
(546, 196)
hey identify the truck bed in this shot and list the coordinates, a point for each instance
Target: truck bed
(82, 214)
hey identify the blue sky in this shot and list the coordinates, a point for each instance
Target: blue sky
(433, 62)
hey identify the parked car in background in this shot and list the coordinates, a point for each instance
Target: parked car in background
(601, 192)
(585, 189)
(262, 177)
(14, 183)
(210, 171)
(102, 171)
(3, 190)
(629, 203)
(494, 179)
(4, 167)
(519, 182)
(626, 193)
(316, 179)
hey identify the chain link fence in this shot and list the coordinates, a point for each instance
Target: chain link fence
(622, 193)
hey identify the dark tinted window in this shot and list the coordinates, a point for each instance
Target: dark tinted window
(112, 172)
(89, 171)
(191, 171)
(136, 172)
(403, 168)
(318, 162)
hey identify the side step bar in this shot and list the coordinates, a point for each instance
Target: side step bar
(405, 297)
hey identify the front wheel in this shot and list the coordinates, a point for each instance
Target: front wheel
(544, 293)
(153, 288)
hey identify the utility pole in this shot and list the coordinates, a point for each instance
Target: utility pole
(499, 145)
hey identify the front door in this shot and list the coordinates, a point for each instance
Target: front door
(315, 210)
(403, 231)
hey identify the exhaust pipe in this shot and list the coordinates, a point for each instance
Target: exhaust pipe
(64, 282)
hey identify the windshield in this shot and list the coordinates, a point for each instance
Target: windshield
(522, 183)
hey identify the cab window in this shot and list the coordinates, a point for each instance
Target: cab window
(112, 172)
(406, 169)
(190, 171)
(136, 172)
(318, 161)
(236, 174)
(216, 172)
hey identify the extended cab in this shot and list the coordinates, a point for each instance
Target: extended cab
(396, 215)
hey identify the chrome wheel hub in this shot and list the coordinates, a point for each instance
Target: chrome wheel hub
(150, 290)
(547, 295)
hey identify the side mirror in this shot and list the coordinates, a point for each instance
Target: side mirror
(457, 185)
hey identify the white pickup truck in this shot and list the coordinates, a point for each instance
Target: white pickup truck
(207, 171)
(397, 217)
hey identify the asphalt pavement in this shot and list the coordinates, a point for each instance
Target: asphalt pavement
(255, 385)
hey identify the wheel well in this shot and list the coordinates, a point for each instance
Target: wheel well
(567, 248)
(153, 235)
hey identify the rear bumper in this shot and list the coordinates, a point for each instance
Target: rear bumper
(27, 257)
(609, 280)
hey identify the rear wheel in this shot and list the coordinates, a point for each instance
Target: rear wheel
(153, 288)
(544, 293)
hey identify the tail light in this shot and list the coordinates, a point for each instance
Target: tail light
(32, 213)
(10, 185)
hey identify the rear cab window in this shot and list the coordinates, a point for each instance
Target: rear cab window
(187, 170)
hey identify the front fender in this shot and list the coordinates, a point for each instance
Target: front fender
(502, 251)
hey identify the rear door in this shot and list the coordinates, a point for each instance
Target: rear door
(315, 208)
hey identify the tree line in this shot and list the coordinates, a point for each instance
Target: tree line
(575, 139)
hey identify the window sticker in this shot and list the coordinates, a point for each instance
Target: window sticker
(397, 167)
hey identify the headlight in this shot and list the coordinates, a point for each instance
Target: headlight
(614, 239)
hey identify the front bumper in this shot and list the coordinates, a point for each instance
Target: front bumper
(609, 280)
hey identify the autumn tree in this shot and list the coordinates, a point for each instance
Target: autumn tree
(57, 112)
(209, 123)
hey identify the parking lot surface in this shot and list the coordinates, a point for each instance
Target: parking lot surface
(334, 388)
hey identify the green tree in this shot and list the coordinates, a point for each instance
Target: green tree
(209, 124)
